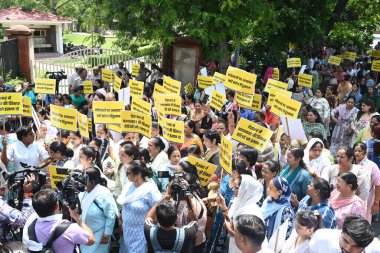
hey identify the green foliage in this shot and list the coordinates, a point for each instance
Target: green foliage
(14, 81)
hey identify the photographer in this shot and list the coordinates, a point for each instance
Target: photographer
(25, 150)
(163, 237)
(46, 205)
(10, 216)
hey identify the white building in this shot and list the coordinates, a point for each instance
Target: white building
(48, 28)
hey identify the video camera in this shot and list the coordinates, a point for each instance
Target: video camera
(71, 186)
(180, 190)
(16, 181)
(57, 75)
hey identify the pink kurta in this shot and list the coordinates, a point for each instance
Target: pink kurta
(346, 206)
(375, 181)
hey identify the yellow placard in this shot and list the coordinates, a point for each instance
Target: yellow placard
(136, 122)
(274, 92)
(135, 69)
(117, 84)
(218, 78)
(158, 89)
(252, 134)
(243, 98)
(63, 118)
(205, 169)
(139, 105)
(171, 86)
(240, 80)
(375, 65)
(205, 81)
(189, 89)
(83, 125)
(136, 88)
(115, 127)
(271, 83)
(160, 116)
(334, 60)
(256, 103)
(89, 120)
(375, 53)
(170, 103)
(293, 62)
(26, 106)
(44, 86)
(305, 80)
(107, 112)
(276, 74)
(285, 106)
(350, 56)
(217, 100)
(87, 87)
(57, 174)
(225, 157)
(107, 75)
(173, 130)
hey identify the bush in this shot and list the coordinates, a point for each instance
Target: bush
(95, 60)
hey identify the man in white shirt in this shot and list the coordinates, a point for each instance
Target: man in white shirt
(121, 68)
(356, 236)
(25, 150)
(95, 75)
(250, 233)
(74, 76)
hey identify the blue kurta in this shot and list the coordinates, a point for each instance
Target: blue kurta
(101, 222)
(134, 215)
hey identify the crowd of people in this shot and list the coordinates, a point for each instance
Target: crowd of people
(141, 193)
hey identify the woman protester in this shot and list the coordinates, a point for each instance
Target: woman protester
(318, 193)
(172, 167)
(363, 118)
(343, 198)
(61, 155)
(219, 233)
(361, 159)
(249, 156)
(247, 191)
(319, 103)
(212, 140)
(315, 159)
(366, 133)
(342, 116)
(296, 173)
(190, 136)
(207, 120)
(197, 115)
(307, 222)
(270, 170)
(99, 211)
(314, 123)
(159, 158)
(345, 159)
(77, 142)
(373, 145)
(137, 198)
(277, 208)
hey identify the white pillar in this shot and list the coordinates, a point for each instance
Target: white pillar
(59, 38)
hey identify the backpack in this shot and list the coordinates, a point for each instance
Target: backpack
(57, 232)
(179, 240)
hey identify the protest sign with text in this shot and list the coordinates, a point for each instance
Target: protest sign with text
(87, 87)
(274, 92)
(117, 84)
(205, 169)
(107, 112)
(285, 106)
(136, 88)
(63, 118)
(240, 80)
(275, 84)
(27, 106)
(170, 103)
(173, 130)
(139, 105)
(243, 98)
(135, 69)
(276, 74)
(225, 157)
(305, 80)
(135, 122)
(205, 81)
(293, 62)
(83, 125)
(11, 103)
(252, 134)
(218, 78)
(256, 103)
(189, 89)
(107, 75)
(350, 56)
(171, 86)
(217, 100)
(44, 86)
(375, 65)
(334, 60)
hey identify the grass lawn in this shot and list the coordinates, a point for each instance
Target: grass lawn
(78, 39)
